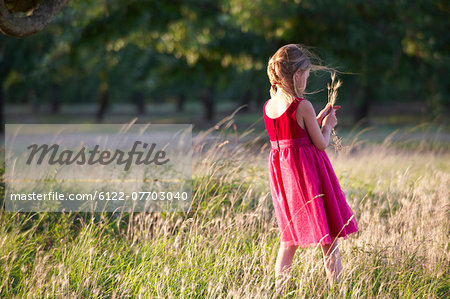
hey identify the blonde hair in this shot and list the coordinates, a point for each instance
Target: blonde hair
(283, 65)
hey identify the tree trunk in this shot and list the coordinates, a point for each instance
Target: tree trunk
(181, 102)
(361, 106)
(208, 104)
(246, 101)
(259, 98)
(138, 99)
(103, 101)
(32, 99)
(2, 115)
(56, 98)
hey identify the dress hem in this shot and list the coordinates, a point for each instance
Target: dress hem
(316, 244)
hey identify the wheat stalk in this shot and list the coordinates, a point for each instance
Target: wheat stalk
(332, 96)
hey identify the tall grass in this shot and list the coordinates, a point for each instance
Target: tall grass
(226, 245)
(332, 88)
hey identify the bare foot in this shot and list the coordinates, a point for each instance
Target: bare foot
(282, 283)
(335, 285)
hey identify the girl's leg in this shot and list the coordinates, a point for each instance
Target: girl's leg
(283, 264)
(333, 263)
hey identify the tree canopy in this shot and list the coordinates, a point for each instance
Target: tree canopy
(149, 50)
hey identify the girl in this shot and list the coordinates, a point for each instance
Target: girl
(309, 204)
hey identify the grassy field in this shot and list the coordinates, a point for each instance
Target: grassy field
(226, 246)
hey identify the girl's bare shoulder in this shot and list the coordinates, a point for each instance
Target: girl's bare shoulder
(305, 107)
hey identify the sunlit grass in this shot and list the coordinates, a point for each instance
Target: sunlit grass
(226, 245)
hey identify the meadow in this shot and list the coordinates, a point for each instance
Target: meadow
(226, 245)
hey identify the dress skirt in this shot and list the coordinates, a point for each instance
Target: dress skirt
(309, 204)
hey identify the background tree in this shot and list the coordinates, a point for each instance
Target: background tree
(211, 51)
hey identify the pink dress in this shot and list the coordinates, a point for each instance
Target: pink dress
(309, 204)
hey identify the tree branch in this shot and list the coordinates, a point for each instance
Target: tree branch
(17, 26)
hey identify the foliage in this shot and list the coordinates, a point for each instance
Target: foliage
(396, 50)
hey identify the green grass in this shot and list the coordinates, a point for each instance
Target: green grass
(226, 246)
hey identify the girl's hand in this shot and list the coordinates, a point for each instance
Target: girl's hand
(330, 120)
(324, 112)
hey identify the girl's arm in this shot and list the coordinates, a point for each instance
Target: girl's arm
(319, 136)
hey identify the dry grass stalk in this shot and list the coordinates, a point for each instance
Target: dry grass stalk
(332, 96)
